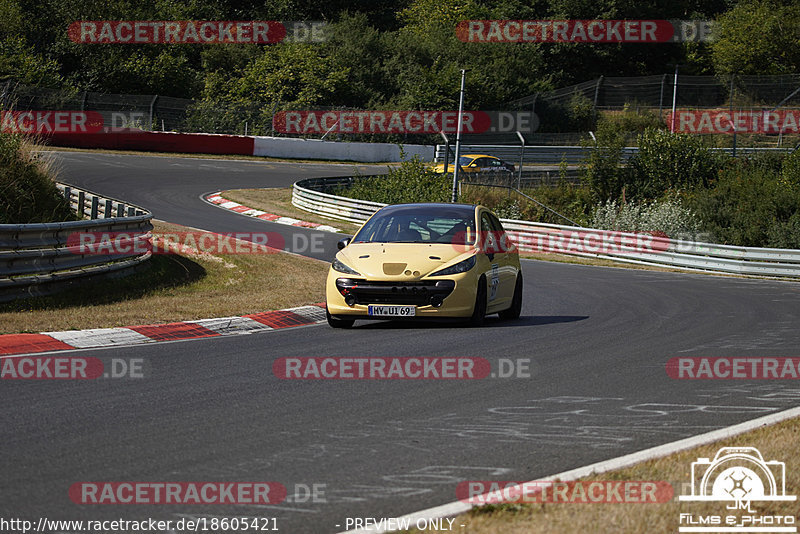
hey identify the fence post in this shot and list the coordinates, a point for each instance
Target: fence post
(597, 93)
(95, 207)
(661, 95)
(521, 158)
(152, 111)
(108, 211)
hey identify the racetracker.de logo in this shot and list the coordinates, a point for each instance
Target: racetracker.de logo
(581, 31)
(403, 122)
(195, 31)
(547, 240)
(42, 122)
(126, 243)
(177, 493)
(711, 121)
(51, 368)
(381, 368)
(480, 492)
(733, 368)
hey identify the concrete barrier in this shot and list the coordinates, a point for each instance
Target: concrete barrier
(291, 147)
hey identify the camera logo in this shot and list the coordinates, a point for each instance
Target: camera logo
(738, 476)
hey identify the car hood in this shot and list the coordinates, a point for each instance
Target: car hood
(391, 261)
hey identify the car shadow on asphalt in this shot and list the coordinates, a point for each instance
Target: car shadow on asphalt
(491, 322)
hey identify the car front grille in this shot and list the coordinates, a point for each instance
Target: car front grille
(383, 292)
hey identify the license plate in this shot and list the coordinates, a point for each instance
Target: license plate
(392, 311)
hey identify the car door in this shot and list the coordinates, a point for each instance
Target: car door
(503, 273)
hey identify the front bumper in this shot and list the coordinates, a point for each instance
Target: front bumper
(350, 296)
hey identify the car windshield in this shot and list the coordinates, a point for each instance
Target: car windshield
(420, 225)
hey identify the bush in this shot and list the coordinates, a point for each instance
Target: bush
(411, 181)
(628, 121)
(566, 199)
(751, 204)
(602, 172)
(27, 192)
(668, 217)
(670, 162)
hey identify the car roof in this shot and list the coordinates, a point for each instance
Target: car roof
(479, 156)
(428, 206)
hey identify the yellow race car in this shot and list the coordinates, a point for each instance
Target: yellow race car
(473, 163)
(425, 261)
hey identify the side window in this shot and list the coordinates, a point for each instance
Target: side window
(496, 225)
(504, 242)
(486, 223)
(488, 235)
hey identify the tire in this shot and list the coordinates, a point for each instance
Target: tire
(333, 322)
(516, 302)
(479, 311)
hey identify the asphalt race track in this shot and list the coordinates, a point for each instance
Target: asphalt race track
(596, 340)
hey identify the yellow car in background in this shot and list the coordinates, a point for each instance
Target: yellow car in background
(415, 261)
(476, 163)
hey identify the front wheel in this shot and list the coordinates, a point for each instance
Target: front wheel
(516, 302)
(479, 311)
(333, 322)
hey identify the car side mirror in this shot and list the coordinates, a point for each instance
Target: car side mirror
(343, 243)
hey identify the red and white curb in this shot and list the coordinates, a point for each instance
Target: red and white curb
(216, 198)
(14, 344)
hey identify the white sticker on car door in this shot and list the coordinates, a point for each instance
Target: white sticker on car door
(495, 281)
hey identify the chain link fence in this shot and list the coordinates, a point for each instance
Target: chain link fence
(576, 107)
(565, 114)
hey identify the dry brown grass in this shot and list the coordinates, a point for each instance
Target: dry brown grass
(176, 288)
(279, 202)
(778, 442)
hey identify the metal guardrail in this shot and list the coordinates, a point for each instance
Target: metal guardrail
(586, 242)
(572, 155)
(38, 259)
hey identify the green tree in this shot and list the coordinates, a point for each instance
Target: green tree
(758, 37)
(20, 62)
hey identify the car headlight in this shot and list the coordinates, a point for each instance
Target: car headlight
(460, 267)
(342, 268)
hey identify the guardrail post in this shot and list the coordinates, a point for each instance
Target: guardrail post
(108, 212)
(68, 195)
(131, 211)
(120, 210)
(81, 200)
(95, 207)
